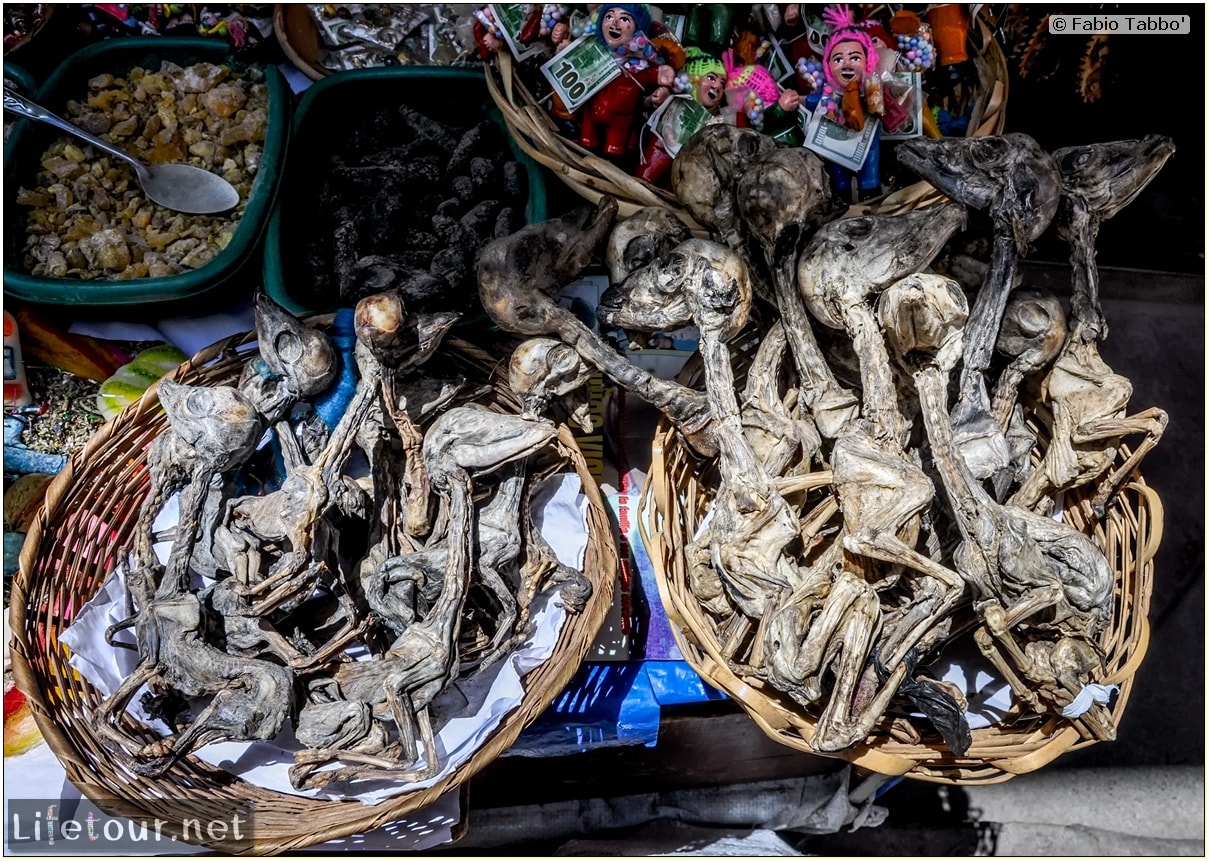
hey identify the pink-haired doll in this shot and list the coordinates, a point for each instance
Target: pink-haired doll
(852, 94)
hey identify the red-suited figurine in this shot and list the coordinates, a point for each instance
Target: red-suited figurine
(610, 114)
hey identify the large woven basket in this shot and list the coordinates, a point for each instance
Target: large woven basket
(678, 493)
(78, 537)
(591, 176)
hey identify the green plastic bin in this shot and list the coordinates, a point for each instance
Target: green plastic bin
(29, 140)
(454, 96)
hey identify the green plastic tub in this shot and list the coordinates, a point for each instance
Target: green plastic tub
(20, 77)
(448, 95)
(29, 140)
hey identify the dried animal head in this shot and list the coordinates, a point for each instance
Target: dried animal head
(302, 354)
(717, 283)
(1009, 175)
(542, 370)
(849, 259)
(787, 185)
(1104, 178)
(219, 422)
(922, 316)
(643, 238)
(651, 299)
(1033, 328)
(1097, 181)
(478, 441)
(705, 170)
(519, 273)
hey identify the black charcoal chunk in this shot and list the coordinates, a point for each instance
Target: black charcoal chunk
(379, 273)
(514, 181)
(451, 266)
(451, 207)
(427, 129)
(468, 146)
(481, 218)
(422, 240)
(483, 175)
(509, 221)
(453, 233)
(462, 188)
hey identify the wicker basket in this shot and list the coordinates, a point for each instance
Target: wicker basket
(591, 176)
(677, 496)
(77, 538)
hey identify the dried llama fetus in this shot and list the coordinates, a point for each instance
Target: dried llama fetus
(1017, 183)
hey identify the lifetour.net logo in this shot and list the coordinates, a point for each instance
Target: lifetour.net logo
(54, 826)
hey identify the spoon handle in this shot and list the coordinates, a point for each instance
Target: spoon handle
(19, 104)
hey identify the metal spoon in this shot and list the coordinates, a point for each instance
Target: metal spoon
(177, 186)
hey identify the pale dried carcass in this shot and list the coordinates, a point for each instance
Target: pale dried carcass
(400, 343)
(783, 197)
(1098, 181)
(1017, 183)
(252, 699)
(1088, 400)
(705, 171)
(520, 273)
(1018, 567)
(1032, 335)
(843, 268)
(211, 430)
(462, 444)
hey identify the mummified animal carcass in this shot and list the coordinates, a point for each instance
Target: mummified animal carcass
(408, 534)
(840, 601)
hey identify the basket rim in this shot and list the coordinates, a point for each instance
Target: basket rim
(340, 818)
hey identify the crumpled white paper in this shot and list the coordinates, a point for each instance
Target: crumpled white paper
(1088, 696)
(560, 511)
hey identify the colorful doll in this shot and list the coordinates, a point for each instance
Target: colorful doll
(702, 82)
(608, 117)
(762, 104)
(852, 95)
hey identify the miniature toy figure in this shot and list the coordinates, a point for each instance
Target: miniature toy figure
(702, 82)
(610, 114)
(853, 94)
(762, 104)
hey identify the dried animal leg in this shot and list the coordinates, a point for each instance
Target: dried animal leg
(1089, 403)
(774, 434)
(1017, 182)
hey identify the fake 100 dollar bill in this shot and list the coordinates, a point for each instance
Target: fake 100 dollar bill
(511, 18)
(581, 70)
